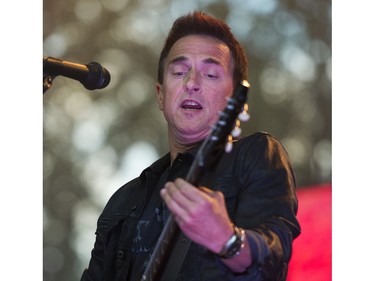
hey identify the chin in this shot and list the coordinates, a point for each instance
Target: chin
(194, 137)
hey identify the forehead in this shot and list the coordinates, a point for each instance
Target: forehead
(200, 47)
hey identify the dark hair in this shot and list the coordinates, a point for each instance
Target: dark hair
(199, 23)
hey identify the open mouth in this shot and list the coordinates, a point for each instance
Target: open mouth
(191, 104)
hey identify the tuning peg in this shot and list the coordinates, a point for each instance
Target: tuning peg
(236, 132)
(244, 116)
(229, 145)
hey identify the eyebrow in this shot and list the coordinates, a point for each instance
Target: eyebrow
(183, 58)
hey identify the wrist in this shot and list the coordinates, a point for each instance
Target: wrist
(233, 246)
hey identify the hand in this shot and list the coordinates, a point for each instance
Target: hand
(200, 213)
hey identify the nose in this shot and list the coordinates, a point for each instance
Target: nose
(192, 83)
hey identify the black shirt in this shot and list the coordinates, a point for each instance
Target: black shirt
(154, 217)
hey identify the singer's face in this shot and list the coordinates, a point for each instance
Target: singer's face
(198, 77)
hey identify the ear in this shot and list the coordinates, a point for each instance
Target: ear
(159, 95)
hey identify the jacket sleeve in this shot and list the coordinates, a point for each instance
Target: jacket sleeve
(94, 272)
(103, 255)
(114, 233)
(266, 207)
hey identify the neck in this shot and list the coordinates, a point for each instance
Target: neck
(177, 147)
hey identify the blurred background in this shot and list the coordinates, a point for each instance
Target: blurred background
(95, 141)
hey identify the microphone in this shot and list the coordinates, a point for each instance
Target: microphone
(92, 76)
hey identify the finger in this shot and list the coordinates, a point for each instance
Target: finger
(192, 193)
(178, 191)
(207, 190)
(173, 198)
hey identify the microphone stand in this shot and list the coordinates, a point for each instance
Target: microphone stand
(47, 81)
(47, 78)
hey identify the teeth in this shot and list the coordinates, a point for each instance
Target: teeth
(191, 104)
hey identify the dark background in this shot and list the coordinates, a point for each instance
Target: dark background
(94, 141)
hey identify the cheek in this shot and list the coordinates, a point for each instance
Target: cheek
(166, 99)
(225, 97)
(220, 102)
(169, 105)
(219, 107)
(170, 96)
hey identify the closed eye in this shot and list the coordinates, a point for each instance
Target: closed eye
(210, 75)
(179, 73)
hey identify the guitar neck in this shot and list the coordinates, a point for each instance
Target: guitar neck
(168, 238)
(163, 248)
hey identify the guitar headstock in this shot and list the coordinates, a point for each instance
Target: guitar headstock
(243, 116)
(228, 125)
(221, 131)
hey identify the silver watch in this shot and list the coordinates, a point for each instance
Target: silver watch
(234, 244)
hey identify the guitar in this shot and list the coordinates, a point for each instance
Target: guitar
(171, 234)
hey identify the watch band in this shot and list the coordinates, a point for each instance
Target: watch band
(234, 244)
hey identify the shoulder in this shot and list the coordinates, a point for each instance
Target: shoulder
(120, 202)
(257, 140)
(260, 143)
(260, 151)
(256, 145)
(252, 149)
(124, 199)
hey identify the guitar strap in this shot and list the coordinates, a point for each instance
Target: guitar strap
(176, 258)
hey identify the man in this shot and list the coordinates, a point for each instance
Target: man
(242, 221)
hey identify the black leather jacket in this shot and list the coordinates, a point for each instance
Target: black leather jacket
(258, 183)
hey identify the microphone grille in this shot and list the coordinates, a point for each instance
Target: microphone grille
(98, 77)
